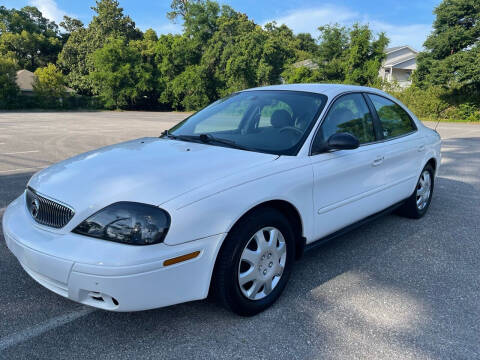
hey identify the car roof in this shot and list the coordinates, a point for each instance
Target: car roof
(330, 90)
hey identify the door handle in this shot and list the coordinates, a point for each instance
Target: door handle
(421, 148)
(378, 161)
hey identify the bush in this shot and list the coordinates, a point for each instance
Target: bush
(49, 82)
(438, 103)
(189, 89)
(69, 102)
(302, 74)
(8, 87)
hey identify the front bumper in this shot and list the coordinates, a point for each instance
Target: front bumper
(129, 278)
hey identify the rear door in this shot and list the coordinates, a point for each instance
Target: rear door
(404, 148)
(347, 182)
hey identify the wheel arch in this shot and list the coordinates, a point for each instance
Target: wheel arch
(286, 208)
(433, 162)
(429, 160)
(291, 213)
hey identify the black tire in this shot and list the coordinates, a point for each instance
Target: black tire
(225, 278)
(410, 209)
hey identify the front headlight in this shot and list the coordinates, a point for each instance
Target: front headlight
(128, 223)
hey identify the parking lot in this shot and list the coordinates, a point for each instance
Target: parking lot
(393, 289)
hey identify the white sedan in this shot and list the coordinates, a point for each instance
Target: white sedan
(225, 201)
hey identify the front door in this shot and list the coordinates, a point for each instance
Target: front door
(346, 182)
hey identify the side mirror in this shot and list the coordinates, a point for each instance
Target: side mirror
(342, 141)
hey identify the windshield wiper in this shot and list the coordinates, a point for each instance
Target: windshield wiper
(204, 138)
(167, 134)
(209, 138)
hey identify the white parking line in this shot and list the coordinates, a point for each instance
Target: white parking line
(34, 331)
(21, 152)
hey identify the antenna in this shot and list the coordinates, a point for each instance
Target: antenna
(438, 121)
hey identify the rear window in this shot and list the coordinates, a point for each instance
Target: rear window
(395, 121)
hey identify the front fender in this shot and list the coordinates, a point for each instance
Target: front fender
(200, 214)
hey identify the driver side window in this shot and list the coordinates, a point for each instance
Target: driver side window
(349, 114)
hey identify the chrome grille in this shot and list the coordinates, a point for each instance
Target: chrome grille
(47, 212)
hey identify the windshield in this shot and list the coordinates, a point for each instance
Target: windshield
(271, 121)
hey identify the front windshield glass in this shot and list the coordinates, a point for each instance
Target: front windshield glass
(271, 121)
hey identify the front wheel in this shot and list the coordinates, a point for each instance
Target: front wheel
(255, 262)
(417, 204)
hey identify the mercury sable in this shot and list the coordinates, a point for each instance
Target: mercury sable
(225, 201)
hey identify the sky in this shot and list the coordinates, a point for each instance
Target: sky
(406, 22)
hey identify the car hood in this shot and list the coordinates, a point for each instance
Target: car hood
(148, 170)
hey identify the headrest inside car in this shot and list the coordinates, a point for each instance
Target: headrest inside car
(281, 118)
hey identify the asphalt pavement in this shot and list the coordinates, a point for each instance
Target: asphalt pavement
(392, 289)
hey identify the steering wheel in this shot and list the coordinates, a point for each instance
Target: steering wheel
(292, 128)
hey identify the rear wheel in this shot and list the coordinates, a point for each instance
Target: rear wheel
(417, 204)
(255, 262)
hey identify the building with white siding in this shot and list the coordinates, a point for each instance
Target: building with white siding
(399, 65)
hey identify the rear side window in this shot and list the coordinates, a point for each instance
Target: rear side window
(395, 121)
(349, 114)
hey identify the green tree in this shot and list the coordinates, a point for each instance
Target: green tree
(189, 89)
(30, 49)
(306, 43)
(179, 9)
(200, 21)
(49, 82)
(452, 55)
(111, 21)
(233, 53)
(177, 53)
(148, 49)
(28, 19)
(28, 37)
(350, 55)
(174, 53)
(241, 54)
(456, 27)
(364, 56)
(334, 41)
(120, 76)
(70, 24)
(301, 75)
(8, 87)
(280, 48)
(75, 59)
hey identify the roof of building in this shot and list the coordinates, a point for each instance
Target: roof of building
(391, 49)
(395, 48)
(25, 80)
(308, 63)
(400, 61)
